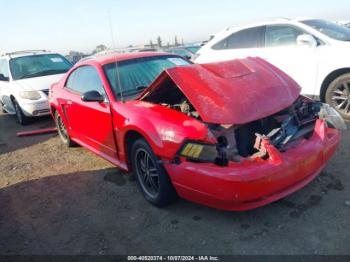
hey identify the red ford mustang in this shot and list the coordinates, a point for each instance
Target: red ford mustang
(233, 135)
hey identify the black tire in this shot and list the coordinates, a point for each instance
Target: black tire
(22, 119)
(151, 176)
(62, 131)
(338, 95)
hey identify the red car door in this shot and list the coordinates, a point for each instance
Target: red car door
(90, 122)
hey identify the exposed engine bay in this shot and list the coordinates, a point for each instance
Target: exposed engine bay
(184, 107)
(173, 98)
(283, 129)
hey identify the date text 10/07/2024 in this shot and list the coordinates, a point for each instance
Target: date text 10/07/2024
(173, 258)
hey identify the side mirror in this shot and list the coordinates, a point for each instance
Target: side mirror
(306, 40)
(4, 78)
(92, 96)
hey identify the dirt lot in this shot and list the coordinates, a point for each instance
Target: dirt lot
(55, 200)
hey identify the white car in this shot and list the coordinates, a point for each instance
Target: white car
(25, 79)
(316, 53)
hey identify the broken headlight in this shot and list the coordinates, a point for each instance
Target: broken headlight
(202, 152)
(332, 117)
(199, 151)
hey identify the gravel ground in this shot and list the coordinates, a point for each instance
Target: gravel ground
(55, 200)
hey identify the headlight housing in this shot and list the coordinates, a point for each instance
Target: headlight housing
(332, 117)
(199, 151)
(202, 152)
(31, 95)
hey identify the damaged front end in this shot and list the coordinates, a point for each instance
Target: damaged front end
(241, 118)
(283, 130)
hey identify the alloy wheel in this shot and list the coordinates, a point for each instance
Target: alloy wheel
(147, 172)
(341, 97)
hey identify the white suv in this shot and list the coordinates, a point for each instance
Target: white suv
(316, 53)
(25, 79)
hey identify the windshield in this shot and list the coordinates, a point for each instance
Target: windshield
(137, 74)
(38, 65)
(330, 29)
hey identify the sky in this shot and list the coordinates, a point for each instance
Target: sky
(81, 25)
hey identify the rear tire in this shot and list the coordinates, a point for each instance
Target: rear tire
(62, 131)
(22, 119)
(338, 95)
(151, 176)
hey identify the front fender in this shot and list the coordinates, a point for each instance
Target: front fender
(163, 128)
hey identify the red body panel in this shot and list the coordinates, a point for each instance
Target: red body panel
(103, 128)
(165, 129)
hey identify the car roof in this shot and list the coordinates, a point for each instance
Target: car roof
(267, 21)
(26, 53)
(257, 23)
(111, 58)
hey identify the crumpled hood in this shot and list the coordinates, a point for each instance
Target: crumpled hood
(39, 83)
(233, 92)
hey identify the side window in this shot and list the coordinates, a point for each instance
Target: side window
(281, 35)
(4, 71)
(71, 79)
(247, 38)
(85, 79)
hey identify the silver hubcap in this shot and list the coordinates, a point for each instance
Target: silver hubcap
(147, 172)
(341, 97)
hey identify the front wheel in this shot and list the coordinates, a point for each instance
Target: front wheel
(338, 95)
(151, 176)
(2, 108)
(22, 119)
(62, 131)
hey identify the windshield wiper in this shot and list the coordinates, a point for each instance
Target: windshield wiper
(44, 73)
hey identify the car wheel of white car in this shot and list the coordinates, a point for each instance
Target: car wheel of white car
(2, 108)
(62, 131)
(22, 119)
(338, 95)
(151, 176)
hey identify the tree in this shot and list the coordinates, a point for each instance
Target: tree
(168, 45)
(151, 43)
(75, 53)
(159, 41)
(100, 48)
(75, 56)
(176, 43)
